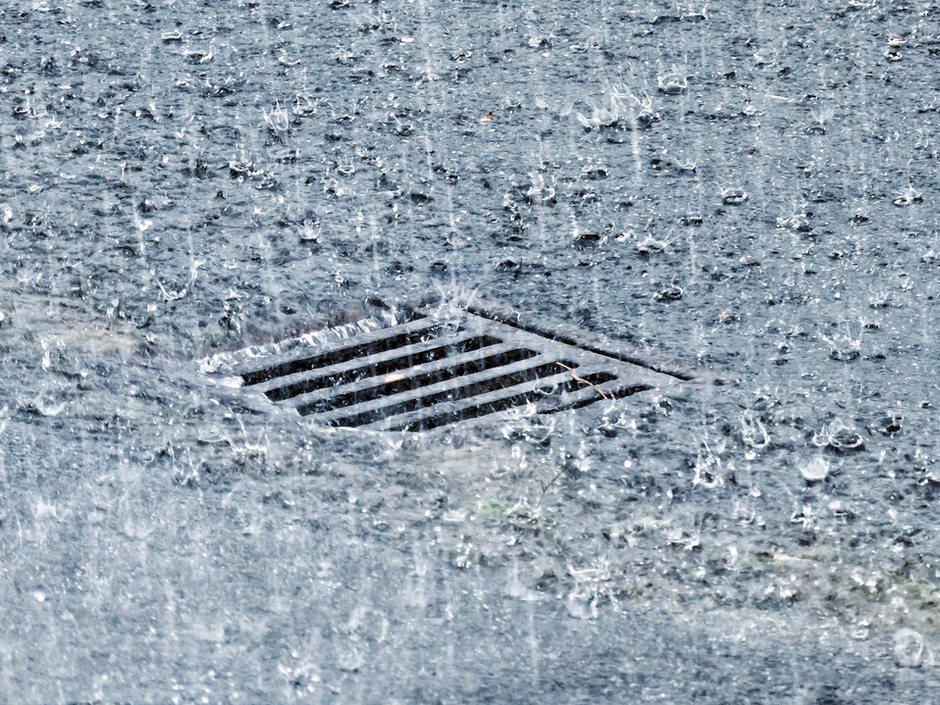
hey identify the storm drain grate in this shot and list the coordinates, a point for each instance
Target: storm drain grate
(438, 363)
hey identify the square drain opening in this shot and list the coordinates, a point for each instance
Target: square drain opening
(436, 362)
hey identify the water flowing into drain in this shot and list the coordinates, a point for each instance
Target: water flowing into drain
(445, 363)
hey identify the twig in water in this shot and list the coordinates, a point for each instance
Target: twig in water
(581, 379)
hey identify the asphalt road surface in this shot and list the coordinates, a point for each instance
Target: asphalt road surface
(751, 188)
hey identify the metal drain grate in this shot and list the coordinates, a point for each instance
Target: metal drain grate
(438, 363)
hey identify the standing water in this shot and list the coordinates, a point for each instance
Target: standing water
(747, 189)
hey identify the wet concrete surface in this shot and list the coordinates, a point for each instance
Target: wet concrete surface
(747, 188)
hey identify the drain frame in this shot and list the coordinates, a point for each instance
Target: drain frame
(438, 360)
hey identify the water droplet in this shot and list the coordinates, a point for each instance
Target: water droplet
(733, 196)
(839, 437)
(816, 470)
(910, 649)
(672, 83)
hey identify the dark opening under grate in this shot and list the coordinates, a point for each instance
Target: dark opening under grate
(439, 363)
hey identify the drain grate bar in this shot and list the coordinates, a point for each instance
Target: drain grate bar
(449, 361)
(297, 361)
(583, 340)
(418, 377)
(600, 386)
(334, 377)
(408, 395)
(486, 403)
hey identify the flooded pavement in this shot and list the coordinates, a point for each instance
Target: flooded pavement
(748, 189)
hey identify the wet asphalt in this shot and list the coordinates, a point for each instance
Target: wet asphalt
(748, 188)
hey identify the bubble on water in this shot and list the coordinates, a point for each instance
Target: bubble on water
(43, 406)
(910, 649)
(861, 630)
(815, 470)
